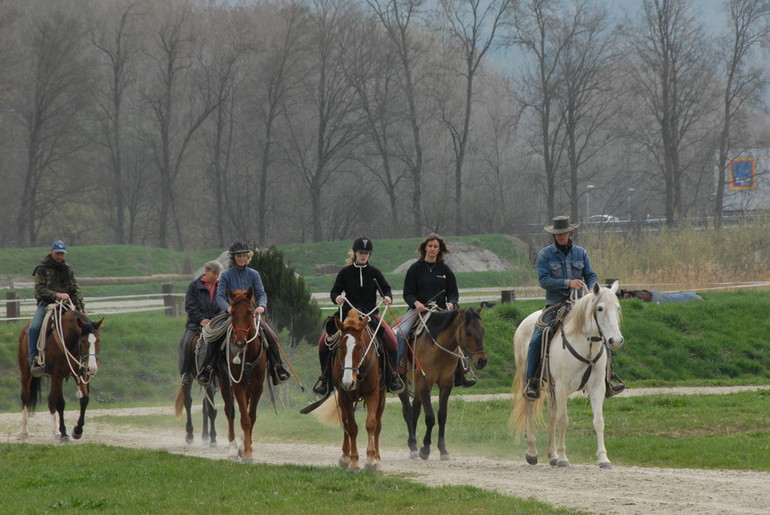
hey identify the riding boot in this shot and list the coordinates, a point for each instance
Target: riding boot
(204, 376)
(533, 388)
(324, 380)
(277, 372)
(395, 384)
(461, 379)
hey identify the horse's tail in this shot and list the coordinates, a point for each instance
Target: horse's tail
(329, 413)
(35, 393)
(179, 404)
(518, 417)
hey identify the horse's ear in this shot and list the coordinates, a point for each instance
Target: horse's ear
(98, 324)
(338, 323)
(363, 323)
(250, 292)
(615, 287)
(229, 293)
(596, 288)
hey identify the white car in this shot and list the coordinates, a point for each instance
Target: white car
(602, 219)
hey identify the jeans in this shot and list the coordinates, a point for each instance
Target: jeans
(402, 329)
(535, 344)
(34, 331)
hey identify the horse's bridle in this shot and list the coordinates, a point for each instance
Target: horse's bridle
(588, 361)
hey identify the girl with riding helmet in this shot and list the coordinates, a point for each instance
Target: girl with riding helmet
(358, 284)
(239, 276)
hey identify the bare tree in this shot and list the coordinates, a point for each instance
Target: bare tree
(51, 96)
(473, 26)
(118, 45)
(674, 81)
(174, 122)
(397, 17)
(750, 27)
(587, 101)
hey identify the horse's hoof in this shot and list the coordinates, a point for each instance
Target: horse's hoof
(553, 462)
(189, 439)
(605, 465)
(65, 439)
(373, 467)
(446, 457)
(247, 460)
(353, 468)
(343, 463)
(22, 436)
(213, 444)
(532, 460)
(414, 455)
(424, 454)
(563, 464)
(77, 432)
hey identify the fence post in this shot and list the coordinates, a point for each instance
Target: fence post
(12, 306)
(507, 296)
(168, 300)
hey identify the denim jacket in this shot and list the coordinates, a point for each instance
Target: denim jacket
(555, 270)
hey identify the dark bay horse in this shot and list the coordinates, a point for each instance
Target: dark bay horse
(449, 336)
(242, 371)
(193, 358)
(71, 350)
(357, 376)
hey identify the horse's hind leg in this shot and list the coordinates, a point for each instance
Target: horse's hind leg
(557, 432)
(531, 454)
(406, 412)
(187, 393)
(430, 421)
(83, 392)
(209, 417)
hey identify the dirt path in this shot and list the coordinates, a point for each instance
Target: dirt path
(624, 490)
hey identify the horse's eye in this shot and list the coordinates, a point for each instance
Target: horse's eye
(600, 308)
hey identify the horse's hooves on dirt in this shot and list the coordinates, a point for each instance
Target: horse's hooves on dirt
(563, 464)
(65, 439)
(77, 433)
(247, 460)
(414, 455)
(446, 457)
(605, 465)
(343, 463)
(532, 460)
(22, 436)
(212, 444)
(373, 467)
(189, 439)
(424, 453)
(553, 462)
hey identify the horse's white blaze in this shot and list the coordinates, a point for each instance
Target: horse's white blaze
(348, 375)
(92, 366)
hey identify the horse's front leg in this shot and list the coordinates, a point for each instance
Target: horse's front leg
(423, 392)
(56, 406)
(83, 393)
(246, 424)
(349, 458)
(406, 412)
(210, 416)
(597, 402)
(375, 405)
(443, 410)
(187, 393)
(558, 427)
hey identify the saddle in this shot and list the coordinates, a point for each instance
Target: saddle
(45, 328)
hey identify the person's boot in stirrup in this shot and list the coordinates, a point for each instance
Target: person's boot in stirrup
(395, 384)
(533, 388)
(322, 385)
(204, 376)
(278, 372)
(461, 379)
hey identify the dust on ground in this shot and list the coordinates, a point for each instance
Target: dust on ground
(622, 490)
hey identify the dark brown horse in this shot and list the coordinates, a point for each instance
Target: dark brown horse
(449, 336)
(71, 350)
(242, 371)
(356, 375)
(193, 358)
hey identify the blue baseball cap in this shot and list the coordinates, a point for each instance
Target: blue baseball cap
(59, 246)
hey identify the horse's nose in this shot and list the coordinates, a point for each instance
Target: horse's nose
(615, 343)
(481, 363)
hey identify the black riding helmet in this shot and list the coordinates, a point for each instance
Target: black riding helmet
(363, 244)
(239, 247)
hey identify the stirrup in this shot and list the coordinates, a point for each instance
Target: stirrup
(281, 374)
(321, 386)
(37, 370)
(396, 384)
(532, 391)
(204, 377)
(613, 389)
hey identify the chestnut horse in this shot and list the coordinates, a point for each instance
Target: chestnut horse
(242, 371)
(448, 337)
(577, 360)
(356, 375)
(192, 361)
(71, 350)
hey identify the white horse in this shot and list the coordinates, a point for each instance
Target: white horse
(577, 361)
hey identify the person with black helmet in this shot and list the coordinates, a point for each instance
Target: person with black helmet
(239, 276)
(358, 285)
(54, 281)
(562, 267)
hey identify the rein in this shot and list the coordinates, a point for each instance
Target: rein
(58, 310)
(237, 360)
(590, 339)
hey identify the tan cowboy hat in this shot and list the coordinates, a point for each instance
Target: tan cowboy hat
(561, 225)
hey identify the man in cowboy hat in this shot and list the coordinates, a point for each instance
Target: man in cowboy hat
(562, 267)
